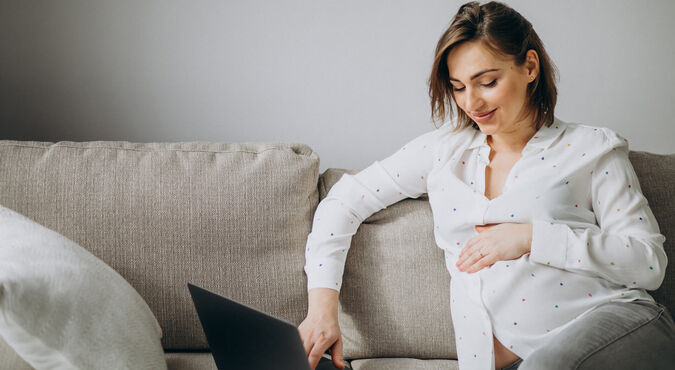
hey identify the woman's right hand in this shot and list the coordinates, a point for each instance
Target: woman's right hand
(320, 330)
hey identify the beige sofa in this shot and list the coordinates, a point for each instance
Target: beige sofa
(234, 218)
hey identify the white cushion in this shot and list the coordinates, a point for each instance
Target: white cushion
(63, 308)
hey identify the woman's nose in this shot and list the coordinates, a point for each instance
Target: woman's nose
(474, 102)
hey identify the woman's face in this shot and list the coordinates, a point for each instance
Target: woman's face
(491, 89)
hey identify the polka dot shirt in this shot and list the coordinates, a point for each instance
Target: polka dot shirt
(594, 237)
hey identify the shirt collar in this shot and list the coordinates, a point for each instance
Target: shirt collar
(542, 139)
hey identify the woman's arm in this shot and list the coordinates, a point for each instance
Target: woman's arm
(350, 201)
(627, 247)
(356, 197)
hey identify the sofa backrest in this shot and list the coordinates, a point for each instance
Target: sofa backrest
(395, 295)
(657, 175)
(233, 218)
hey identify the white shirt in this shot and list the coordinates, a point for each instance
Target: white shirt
(594, 237)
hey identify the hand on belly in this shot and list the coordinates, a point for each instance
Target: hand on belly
(503, 357)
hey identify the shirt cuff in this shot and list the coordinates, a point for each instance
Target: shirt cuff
(324, 284)
(549, 243)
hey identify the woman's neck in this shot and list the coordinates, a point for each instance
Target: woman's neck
(513, 141)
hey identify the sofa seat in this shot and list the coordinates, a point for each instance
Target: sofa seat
(203, 361)
(189, 361)
(403, 363)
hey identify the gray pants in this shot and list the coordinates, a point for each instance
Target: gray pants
(614, 335)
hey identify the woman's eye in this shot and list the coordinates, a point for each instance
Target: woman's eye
(494, 82)
(457, 89)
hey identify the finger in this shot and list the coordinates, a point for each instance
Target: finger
(468, 248)
(307, 343)
(472, 246)
(319, 348)
(313, 359)
(336, 353)
(487, 260)
(470, 260)
(463, 255)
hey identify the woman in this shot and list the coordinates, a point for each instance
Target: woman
(547, 236)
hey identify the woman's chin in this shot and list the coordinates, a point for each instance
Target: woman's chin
(486, 128)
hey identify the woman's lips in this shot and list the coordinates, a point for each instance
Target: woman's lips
(483, 117)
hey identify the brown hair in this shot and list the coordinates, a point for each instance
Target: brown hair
(505, 32)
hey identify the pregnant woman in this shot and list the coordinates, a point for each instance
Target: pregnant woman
(547, 236)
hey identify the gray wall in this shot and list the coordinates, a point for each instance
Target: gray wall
(347, 78)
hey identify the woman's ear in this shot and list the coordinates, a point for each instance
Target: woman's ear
(532, 64)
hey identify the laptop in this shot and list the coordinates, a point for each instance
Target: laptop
(241, 337)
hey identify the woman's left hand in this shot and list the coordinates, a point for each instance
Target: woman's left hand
(496, 242)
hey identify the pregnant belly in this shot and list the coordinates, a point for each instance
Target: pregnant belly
(503, 357)
(530, 298)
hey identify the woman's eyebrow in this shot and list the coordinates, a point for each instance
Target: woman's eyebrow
(477, 74)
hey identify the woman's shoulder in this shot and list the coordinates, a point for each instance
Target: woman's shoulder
(593, 135)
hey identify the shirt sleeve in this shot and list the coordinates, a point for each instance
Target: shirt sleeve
(355, 197)
(626, 246)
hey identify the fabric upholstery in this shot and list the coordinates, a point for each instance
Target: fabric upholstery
(656, 173)
(403, 363)
(190, 361)
(232, 218)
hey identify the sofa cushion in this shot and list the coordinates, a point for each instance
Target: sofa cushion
(403, 363)
(656, 173)
(395, 296)
(233, 218)
(190, 361)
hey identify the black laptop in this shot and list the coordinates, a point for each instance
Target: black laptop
(241, 337)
